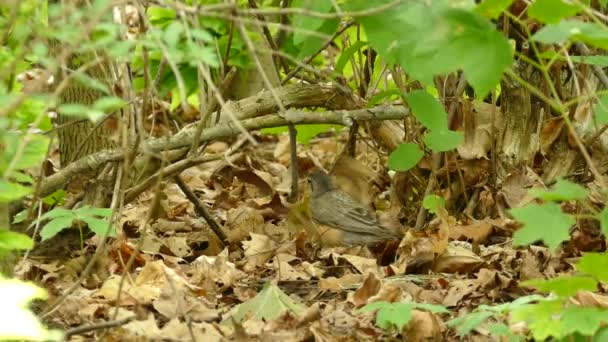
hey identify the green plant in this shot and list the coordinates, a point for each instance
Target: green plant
(60, 219)
(492, 318)
(397, 315)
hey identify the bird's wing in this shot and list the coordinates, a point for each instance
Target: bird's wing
(339, 210)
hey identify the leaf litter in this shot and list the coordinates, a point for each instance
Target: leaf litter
(275, 279)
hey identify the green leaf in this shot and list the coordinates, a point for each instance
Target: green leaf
(583, 320)
(90, 211)
(601, 110)
(397, 314)
(54, 227)
(433, 203)
(109, 104)
(564, 286)
(347, 54)
(21, 177)
(267, 305)
(483, 70)
(493, 8)
(160, 16)
(470, 322)
(172, 33)
(202, 35)
(307, 132)
(21, 216)
(444, 140)
(14, 241)
(390, 314)
(594, 264)
(574, 30)
(591, 60)
(99, 227)
(404, 157)
(563, 190)
(427, 110)
(33, 154)
(304, 132)
(55, 198)
(544, 222)
(543, 318)
(312, 44)
(91, 82)
(501, 329)
(12, 191)
(376, 99)
(551, 11)
(73, 109)
(306, 21)
(430, 38)
(603, 217)
(58, 212)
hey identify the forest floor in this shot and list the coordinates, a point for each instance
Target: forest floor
(275, 280)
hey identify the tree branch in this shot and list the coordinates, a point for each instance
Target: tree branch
(185, 137)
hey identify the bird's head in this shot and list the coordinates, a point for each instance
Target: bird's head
(320, 183)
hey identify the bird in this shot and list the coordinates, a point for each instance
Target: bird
(340, 219)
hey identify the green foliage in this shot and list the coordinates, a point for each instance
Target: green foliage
(574, 30)
(405, 157)
(551, 11)
(544, 222)
(17, 321)
(431, 115)
(550, 318)
(563, 190)
(556, 316)
(397, 315)
(483, 315)
(433, 203)
(306, 42)
(14, 241)
(432, 38)
(595, 265)
(492, 8)
(61, 219)
(267, 305)
(563, 286)
(304, 132)
(601, 110)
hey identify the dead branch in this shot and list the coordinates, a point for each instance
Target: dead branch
(185, 137)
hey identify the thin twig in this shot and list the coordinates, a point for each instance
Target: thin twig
(201, 210)
(97, 326)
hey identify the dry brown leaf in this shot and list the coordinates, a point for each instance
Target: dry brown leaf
(587, 298)
(370, 287)
(215, 274)
(258, 250)
(361, 264)
(242, 221)
(477, 231)
(457, 259)
(339, 284)
(424, 326)
(478, 119)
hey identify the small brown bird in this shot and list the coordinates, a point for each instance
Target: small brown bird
(340, 219)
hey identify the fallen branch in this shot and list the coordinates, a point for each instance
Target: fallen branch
(185, 137)
(98, 326)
